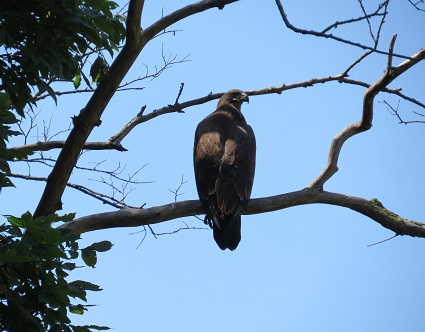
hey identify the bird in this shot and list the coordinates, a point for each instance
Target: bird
(224, 163)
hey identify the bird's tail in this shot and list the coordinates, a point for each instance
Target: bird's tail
(229, 235)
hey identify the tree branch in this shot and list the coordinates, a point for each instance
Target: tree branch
(49, 145)
(365, 123)
(105, 199)
(328, 35)
(142, 217)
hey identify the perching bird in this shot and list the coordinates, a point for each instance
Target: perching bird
(224, 162)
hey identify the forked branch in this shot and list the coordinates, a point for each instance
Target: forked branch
(365, 123)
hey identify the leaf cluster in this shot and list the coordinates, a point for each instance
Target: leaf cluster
(42, 41)
(7, 118)
(35, 261)
(45, 40)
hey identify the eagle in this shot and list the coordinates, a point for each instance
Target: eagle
(224, 163)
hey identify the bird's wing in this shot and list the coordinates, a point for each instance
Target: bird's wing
(236, 174)
(208, 149)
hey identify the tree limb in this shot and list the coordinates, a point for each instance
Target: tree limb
(365, 123)
(148, 216)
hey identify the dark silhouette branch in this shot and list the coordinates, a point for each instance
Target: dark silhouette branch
(290, 26)
(142, 217)
(417, 3)
(105, 199)
(362, 18)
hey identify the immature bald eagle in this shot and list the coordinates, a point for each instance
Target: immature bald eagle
(224, 162)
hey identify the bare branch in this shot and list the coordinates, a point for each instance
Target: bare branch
(176, 191)
(179, 107)
(105, 199)
(140, 217)
(395, 112)
(327, 35)
(49, 145)
(362, 18)
(127, 86)
(417, 3)
(365, 123)
(384, 14)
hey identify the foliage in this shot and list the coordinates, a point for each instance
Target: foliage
(43, 41)
(46, 40)
(35, 259)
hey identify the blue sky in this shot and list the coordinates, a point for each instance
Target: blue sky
(306, 268)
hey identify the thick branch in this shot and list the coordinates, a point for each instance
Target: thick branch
(140, 217)
(90, 115)
(178, 15)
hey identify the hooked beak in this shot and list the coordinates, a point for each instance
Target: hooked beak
(245, 97)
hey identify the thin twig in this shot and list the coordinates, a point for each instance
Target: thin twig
(390, 238)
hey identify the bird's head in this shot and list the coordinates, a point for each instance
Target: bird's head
(235, 97)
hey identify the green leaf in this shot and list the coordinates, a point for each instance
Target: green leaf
(100, 246)
(73, 254)
(12, 256)
(5, 182)
(89, 257)
(77, 309)
(98, 69)
(53, 236)
(67, 217)
(5, 101)
(96, 327)
(68, 266)
(84, 285)
(15, 221)
(34, 231)
(77, 81)
(43, 86)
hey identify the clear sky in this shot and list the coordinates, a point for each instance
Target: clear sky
(306, 268)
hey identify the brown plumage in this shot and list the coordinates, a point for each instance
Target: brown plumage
(224, 162)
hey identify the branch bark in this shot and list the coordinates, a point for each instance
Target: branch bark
(90, 115)
(142, 217)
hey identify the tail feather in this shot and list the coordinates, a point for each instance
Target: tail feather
(229, 236)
